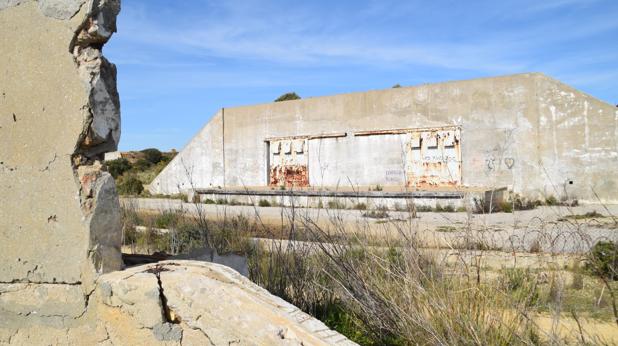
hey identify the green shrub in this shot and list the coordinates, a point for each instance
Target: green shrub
(381, 212)
(446, 209)
(505, 207)
(335, 204)
(141, 165)
(209, 201)
(288, 97)
(522, 284)
(152, 155)
(522, 203)
(578, 281)
(449, 209)
(166, 219)
(360, 206)
(130, 186)
(264, 203)
(551, 200)
(117, 167)
(603, 260)
(423, 208)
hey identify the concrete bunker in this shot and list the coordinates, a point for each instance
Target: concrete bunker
(526, 134)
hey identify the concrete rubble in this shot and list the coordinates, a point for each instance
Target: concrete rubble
(61, 281)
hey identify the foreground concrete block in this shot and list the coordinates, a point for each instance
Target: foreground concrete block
(200, 304)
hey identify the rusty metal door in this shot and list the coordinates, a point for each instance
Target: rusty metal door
(433, 157)
(289, 163)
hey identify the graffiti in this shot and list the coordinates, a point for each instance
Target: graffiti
(494, 164)
(394, 175)
(490, 162)
(509, 162)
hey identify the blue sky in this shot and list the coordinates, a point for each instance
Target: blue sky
(180, 61)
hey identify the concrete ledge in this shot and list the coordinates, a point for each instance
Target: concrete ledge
(342, 194)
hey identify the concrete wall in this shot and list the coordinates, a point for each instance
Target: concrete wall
(199, 164)
(502, 122)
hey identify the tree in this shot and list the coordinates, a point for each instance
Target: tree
(396, 86)
(130, 186)
(288, 97)
(152, 155)
(117, 167)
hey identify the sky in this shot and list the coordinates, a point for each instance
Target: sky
(179, 62)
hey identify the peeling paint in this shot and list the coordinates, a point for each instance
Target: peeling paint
(433, 157)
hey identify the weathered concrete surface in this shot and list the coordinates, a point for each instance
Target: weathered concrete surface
(171, 303)
(204, 304)
(59, 112)
(528, 132)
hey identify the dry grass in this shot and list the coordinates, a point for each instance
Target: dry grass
(389, 289)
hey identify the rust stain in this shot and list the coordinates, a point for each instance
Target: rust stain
(289, 176)
(289, 163)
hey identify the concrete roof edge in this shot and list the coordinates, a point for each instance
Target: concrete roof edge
(568, 86)
(523, 74)
(193, 139)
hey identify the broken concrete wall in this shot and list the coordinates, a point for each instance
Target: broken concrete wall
(59, 112)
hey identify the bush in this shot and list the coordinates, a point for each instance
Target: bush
(506, 207)
(380, 212)
(264, 203)
(152, 155)
(141, 165)
(288, 97)
(446, 209)
(551, 200)
(424, 208)
(209, 201)
(360, 206)
(578, 281)
(603, 260)
(336, 205)
(522, 203)
(130, 186)
(117, 167)
(167, 219)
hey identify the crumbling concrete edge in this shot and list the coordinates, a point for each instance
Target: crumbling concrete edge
(100, 134)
